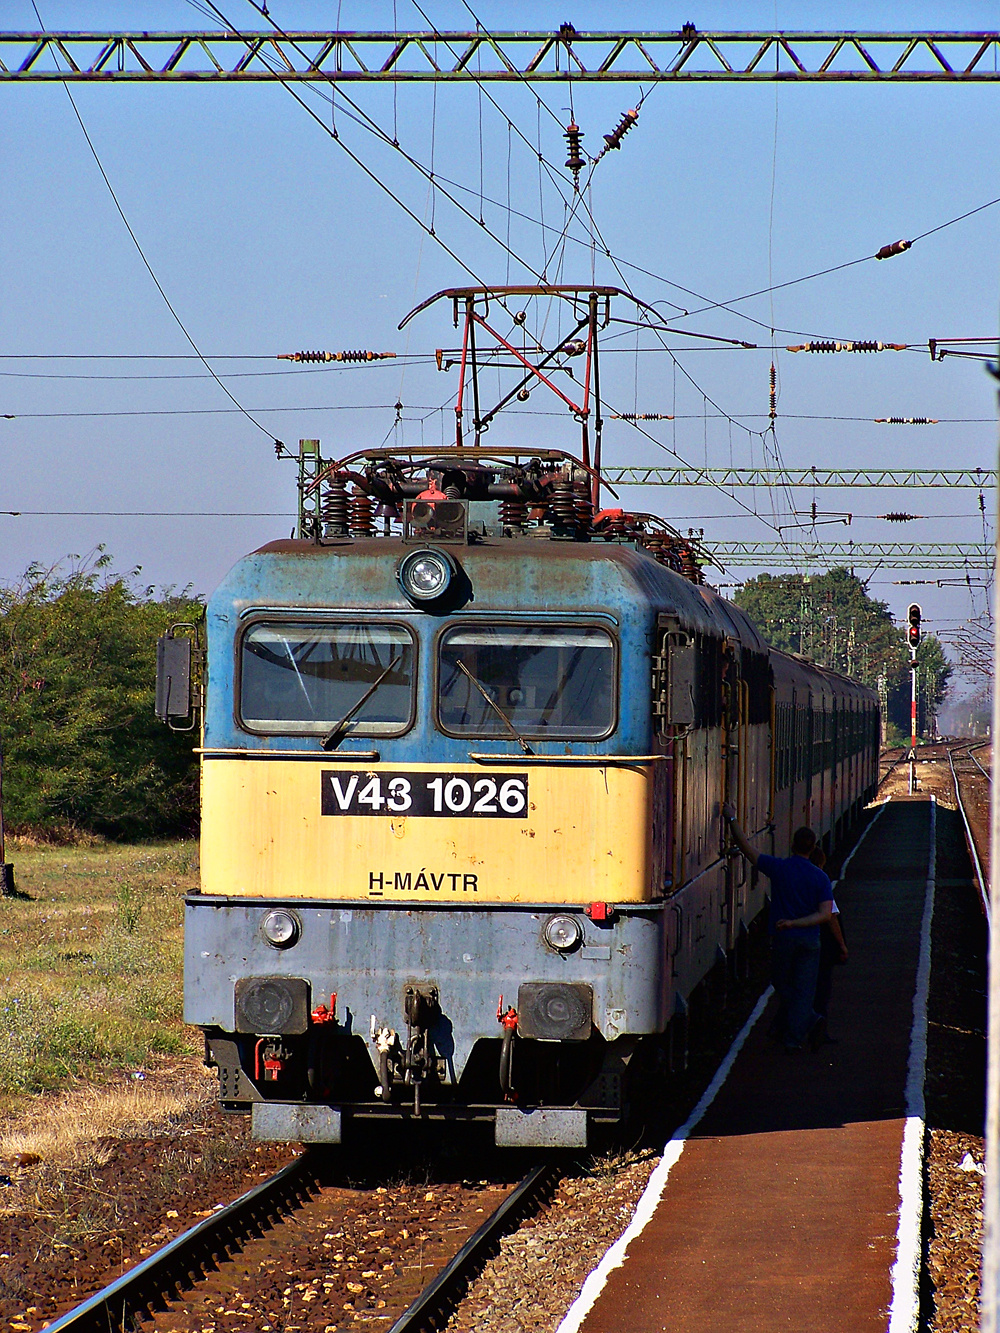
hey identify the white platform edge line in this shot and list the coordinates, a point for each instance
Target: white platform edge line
(867, 829)
(650, 1198)
(615, 1256)
(904, 1313)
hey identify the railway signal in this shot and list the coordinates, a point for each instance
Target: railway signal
(913, 626)
(913, 639)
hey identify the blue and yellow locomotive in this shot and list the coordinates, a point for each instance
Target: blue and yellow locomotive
(464, 749)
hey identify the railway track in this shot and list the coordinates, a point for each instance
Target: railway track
(976, 835)
(892, 762)
(178, 1268)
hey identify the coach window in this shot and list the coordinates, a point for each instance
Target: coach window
(549, 681)
(301, 679)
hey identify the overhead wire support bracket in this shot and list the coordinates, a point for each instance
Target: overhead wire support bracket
(325, 56)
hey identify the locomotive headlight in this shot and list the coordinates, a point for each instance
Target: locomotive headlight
(562, 933)
(425, 576)
(280, 929)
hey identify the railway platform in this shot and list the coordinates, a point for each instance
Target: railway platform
(791, 1199)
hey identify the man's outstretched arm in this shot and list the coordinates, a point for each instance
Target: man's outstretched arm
(817, 918)
(739, 837)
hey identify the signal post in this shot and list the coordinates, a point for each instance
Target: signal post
(913, 639)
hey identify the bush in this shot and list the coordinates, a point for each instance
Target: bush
(82, 748)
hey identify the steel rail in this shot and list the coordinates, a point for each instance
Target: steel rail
(436, 1303)
(986, 774)
(984, 896)
(847, 478)
(890, 770)
(685, 56)
(192, 1254)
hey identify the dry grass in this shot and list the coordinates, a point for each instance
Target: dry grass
(91, 964)
(68, 1129)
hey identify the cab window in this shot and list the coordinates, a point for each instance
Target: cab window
(553, 681)
(299, 679)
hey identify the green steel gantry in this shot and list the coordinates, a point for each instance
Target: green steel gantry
(949, 478)
(887, 555)
(685, 56)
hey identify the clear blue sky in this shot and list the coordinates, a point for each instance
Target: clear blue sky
(267, 238)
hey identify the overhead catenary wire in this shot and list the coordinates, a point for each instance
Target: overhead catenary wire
(850, 263)
(605, 249)
(333, 133)
(735, 418)
(142, 255)
(143, 513)
(372, 126)
(721, 411)
(202, 411)
(595, 234)
(229, 375)
(667, 449)
(555, 175)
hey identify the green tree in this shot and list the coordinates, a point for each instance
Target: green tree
(828, 618)
(933, 673)
(81, 745)
(831, 620)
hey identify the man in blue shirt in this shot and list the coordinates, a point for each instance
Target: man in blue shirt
(801, 902)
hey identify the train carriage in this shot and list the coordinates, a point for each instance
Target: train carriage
(461, 848)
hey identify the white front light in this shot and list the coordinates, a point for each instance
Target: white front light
(425, 575)
(562, 933)
(280, 929)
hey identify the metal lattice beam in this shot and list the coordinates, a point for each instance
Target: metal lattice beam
(888, 555)
(468, 57)
(975, 478)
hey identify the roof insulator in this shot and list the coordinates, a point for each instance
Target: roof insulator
(336, 356)
(575, 160)
(897, 248)
(614, 139)
(858, 346)
(641, 416)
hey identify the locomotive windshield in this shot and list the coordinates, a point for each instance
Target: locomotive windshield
(299, 679)
(549, 681)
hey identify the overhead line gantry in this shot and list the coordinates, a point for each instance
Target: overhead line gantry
(887, 555)
(848, 478)
(621, 56)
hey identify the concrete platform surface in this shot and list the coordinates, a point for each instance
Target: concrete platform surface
(782, 1211)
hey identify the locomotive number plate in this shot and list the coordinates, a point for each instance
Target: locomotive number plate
(423, 795)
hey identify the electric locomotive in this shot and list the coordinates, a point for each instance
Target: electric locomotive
(465, 744)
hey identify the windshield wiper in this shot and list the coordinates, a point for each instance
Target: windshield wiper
(495, 706)
(336, 734)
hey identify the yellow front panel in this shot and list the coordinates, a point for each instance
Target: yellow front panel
(585, 837)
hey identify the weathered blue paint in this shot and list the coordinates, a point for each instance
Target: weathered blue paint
(615, 585)
(367, 954)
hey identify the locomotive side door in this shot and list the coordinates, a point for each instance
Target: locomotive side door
(735, 752)
(674, 715)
